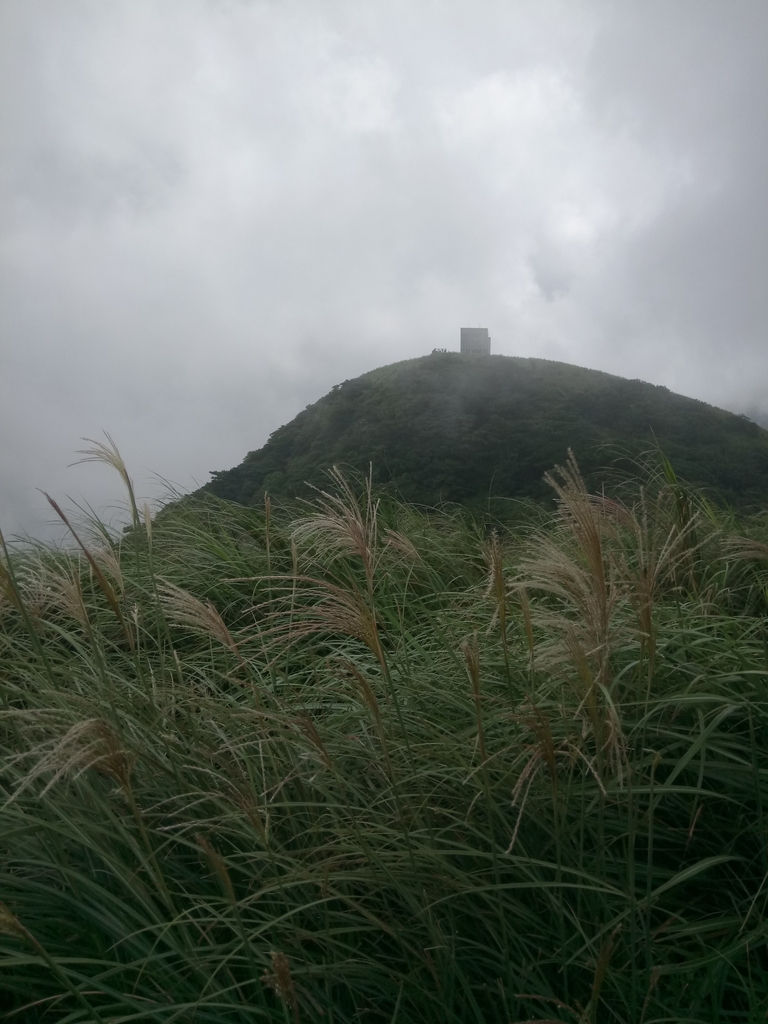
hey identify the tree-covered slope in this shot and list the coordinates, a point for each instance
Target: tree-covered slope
(447, 427)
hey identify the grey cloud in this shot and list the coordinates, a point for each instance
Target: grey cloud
(695, 84)
(212, 212)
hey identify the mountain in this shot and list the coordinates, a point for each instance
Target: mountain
(450, 427)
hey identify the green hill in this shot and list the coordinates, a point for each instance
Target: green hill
(455, 428)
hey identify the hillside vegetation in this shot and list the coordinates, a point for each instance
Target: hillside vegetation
(355, 761)
(455, 428)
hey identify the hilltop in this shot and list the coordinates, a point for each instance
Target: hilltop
(458, 428)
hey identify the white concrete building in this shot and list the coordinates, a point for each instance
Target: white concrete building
(475, 341)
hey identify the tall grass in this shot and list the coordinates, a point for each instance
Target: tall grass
(361, 762)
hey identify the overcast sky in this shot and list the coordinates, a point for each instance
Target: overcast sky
(211, 211)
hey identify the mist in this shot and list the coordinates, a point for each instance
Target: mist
(212, 212)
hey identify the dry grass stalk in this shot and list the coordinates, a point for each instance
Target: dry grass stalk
(56, 584)
(185, 609)
(583, 570)
(108, 557)
(493, 554)
(583, 624)
(64, 590)
(109, 455)
(601, 966)
(218, 864)
(606, 558)
(541, 727)
(525, 608)
(399, 542)
(31, 586)
(342, 526)
(10, 924)
(494, 557)
(323, 607)
(280, 980)
(471, 654)
(649, 552)
(521, 791)
(148, 522)
(89, 744)
(543, 751)
(747, 549)
(308, 728)
(101, 579)
(583, 579)
(8, 594)
(601, 576)
(365, 689)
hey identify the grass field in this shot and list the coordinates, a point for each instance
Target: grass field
(357, 761)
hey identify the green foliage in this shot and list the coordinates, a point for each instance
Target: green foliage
(355, 761)
(455, 428)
